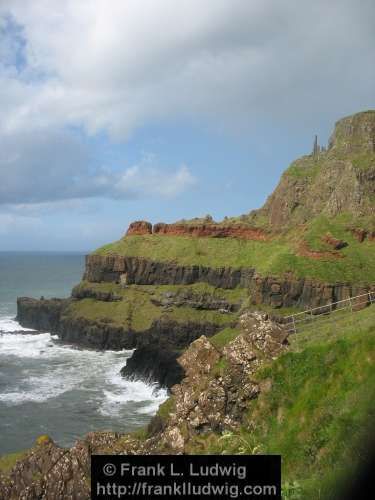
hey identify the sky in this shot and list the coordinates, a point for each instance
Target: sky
(122, 110)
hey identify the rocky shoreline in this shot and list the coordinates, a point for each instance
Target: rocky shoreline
(156, 349)
(206, 399)
(158, 346)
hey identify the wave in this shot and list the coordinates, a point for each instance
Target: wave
(121, 390)
(9, 324)
(45, 369)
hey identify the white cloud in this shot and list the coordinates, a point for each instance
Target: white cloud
(117, 65)
(121, 64)
(51, 167)
(151, 181)
(12, 223)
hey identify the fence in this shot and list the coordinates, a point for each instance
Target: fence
(306, 319)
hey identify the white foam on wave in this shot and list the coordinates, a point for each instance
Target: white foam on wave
(26, 345)
(54, 369)
(121, 391)
(9, 324)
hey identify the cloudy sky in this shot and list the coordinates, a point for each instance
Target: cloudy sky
(116, 110)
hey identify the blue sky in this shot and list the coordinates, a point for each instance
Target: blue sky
(124, 110)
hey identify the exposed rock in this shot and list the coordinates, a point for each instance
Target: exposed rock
(190, 298)
(328, 182)
(157, 348)
(154, 364)
(334, 242)
(363, 234)
(211, 230)
(354, 133)
(219, 384)
(276, 291)
(40, 314)
(306, 293)
(49, 472)
(139, 227)
(157, 351)
(305, 251)
(140, 271)
(82, 292)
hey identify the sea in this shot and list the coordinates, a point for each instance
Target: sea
(54, 388)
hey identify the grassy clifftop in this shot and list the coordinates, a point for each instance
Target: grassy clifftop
(140, 306)
(321, 197)
(282, 253)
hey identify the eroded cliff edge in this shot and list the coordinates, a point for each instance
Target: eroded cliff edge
(311, 244)
(183, 295)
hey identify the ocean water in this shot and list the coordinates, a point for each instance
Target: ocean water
(48, 387)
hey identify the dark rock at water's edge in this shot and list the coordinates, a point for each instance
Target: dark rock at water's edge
(40, 314)
(152, 364)
(156, 348)
(157, 351)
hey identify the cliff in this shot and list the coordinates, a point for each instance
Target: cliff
(203, 305)
(251, 390)
(329, 182)
(286, 256)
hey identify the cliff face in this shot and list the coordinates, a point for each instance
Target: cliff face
(204, 400)
(141, 271)
(183, 296)
(43, 315)
(316, 263)
(339, 179)
(157, 347)
(275, 291)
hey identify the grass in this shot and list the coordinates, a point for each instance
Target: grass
(317, 412)
(197, 290)
(137, 312)
(307, 167)
(210, 252)
(7, 462)
(327, 329)
(276, 257)
(223, 337)
(364, 161)
(166, 408)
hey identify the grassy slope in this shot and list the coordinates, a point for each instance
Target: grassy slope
(137, 311)
(316, 411)
(275, 257)
(7, 462)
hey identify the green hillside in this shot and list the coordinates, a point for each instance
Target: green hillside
(282, 253)
(318, 410)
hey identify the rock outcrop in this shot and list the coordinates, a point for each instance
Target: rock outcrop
(217, 387)
(340, 179)
(50, 472)
(139, 227)
(363, 234)
(141, 271)
(199, 230)
(276, 291)
(202, 301)
(289, 291)
(335, 243)
(211, 231)
(40, 314)
(156, 348)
